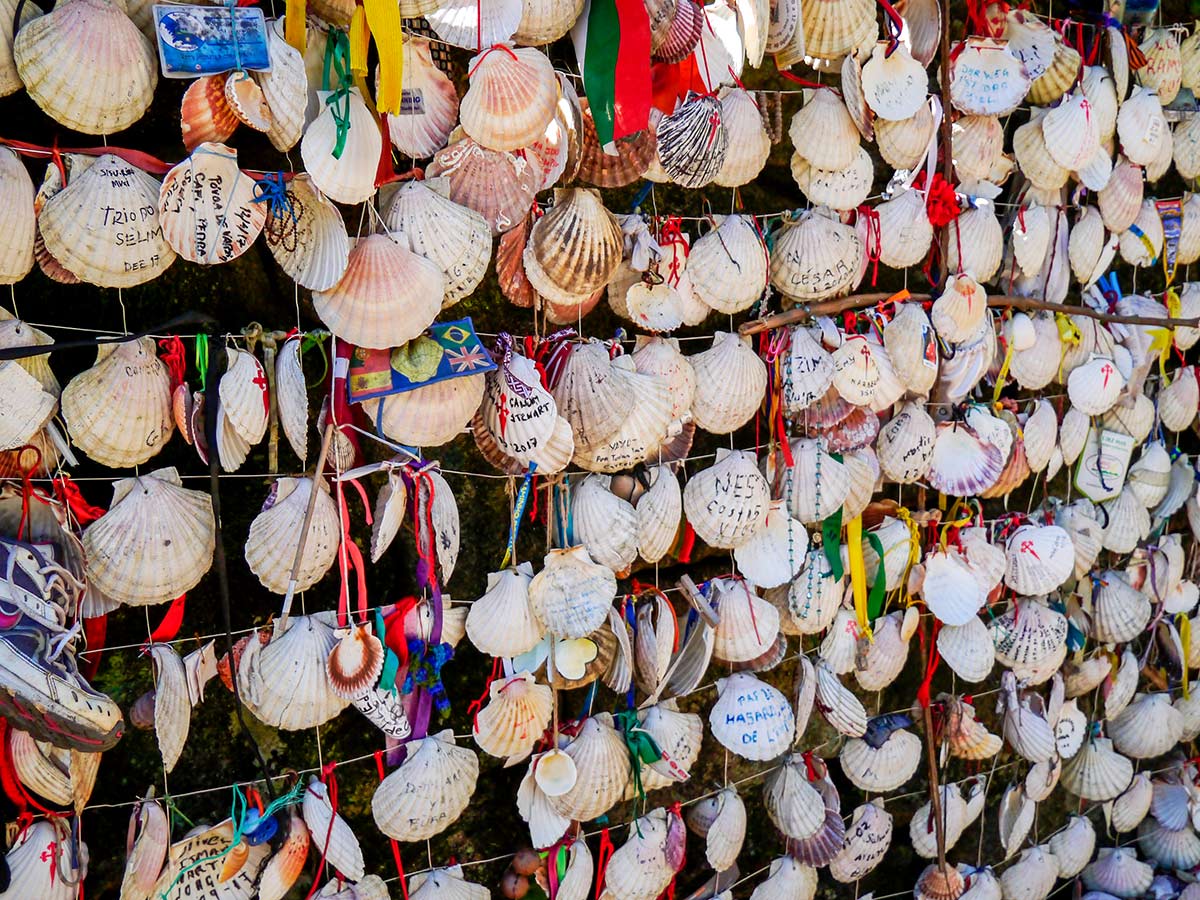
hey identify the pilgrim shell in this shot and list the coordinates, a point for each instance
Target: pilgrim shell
(203, 221)
(517, 712)
(43, 862)
(749, 146)
(903, 144)
(1097, 772)
(643, 435)
(840, 189)
(963, 463)
(728, 502)
(1141, 245)
(787, 879)
(572, 594)
(1121, 199)
(815, 257)
(96, 226)
(501, 622)
(604, 523)
(1034, 157)
(149, 837)
(511, 98)
(437, 884)
(428, 416)
(730, 383)
(1095, 386)
(41, 768)
(27, 407)
(602, 762)
(832, 30)
(692, 142)
(1073, 845)
(1148, 727)
(868, 838)
(793, 804)
(1090, 247)
(1039, 559)
(987, 78)
(727, 267)
(285, 682)
(1031, 877)
(727, 831)
(749, 624)
(16, 193)
(332, 836)
(1163, 72)
(1141, 126)
(814, 596)
(751, 718)
(909, 341)
(574, 249)
(658, 514)
(883, 769)
(643, 866)
(1118, 871)
(498, 185)
(590, 396)
(1171, 849)
(119, 410)
(428, 792)
(87, 66)
(775, 555)
(976, 243)
(967, 649)
(1028, 633)
(354, 664)
(456, 239)
(429, 106)
(823, 132)
(155, 543)
(346, 176)
(275, 534)
(285, 90)
(905, 234)
(307, 236)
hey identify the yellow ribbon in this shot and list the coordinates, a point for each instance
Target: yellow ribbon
(1003, 376)
(295, 30)
(858, 573)
(1185, 639)
(1069, 335)
(1160, 343)
(384, 19)
(914, 552)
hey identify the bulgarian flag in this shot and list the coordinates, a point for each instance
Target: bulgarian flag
(612, 44)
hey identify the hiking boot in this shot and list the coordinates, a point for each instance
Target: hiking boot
(41, 690)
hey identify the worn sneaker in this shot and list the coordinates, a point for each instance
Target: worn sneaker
(41, 689)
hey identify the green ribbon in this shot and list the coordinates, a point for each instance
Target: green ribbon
(876, 595)
(337, 57)
(391, 662)
(316, 339)
(642, 748)
(202, 357)
(831, 543)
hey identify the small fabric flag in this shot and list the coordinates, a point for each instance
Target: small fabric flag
(612, 44)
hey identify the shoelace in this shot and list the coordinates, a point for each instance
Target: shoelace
(60, 643)
(63, 581)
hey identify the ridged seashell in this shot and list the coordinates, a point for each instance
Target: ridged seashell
(332, 836)
(868, 838)
(1097, 772)
(658, 514)
(428, 792)
(43, 862)
(909, 341)
(27, 407)
(793, 804)
(517, 712)
(155, 543)
(1150, 475)
(428, 416)
(1149, 726)
(1141, 248)
(726, 830)
(730, 382)
(642, 867)
(1071, 134)
(172, 706)
(1090, 247)
(354, 664)
(1163, 72)
(775, 555)
(97, 87)
(387, 296)
(545, 21)
(960, 310)
(119, 411)
(572, 594)
(285, 90)
(642, 436)
(1117, 871)
(787, 879)
(839, 189)
(100, 226)
(1141, 126)
(968, 737)
(728, 502)
(1073, 845)
(748, 145)
(748, 625)
(1034, 157)
(1039, 559)
(987, 78)
(1132, 803)
(823, 132)
(546, 825)
(678, 735)
(727, 267)
(751, 718)
(951, 590)
(692, 142)
(1119, 612)
(275, 534)
(815, 257)
(348, 177)
(904, 235)
(204, 221)
(1032, 876)
(574, 249)
(149, 836)
(976, 243)
(438, 884)
(833, 30)
(307, 236)
(978, 142)
(1134, 421)
(602, 762)
(604, 523)
(963, 464)
(498, 185)
(885, 656)
(1178, 849)
(501, 622)
(1121, 199)
(16, 193)
(903, 143)
(428, 107)
(511, 98)
(285, 682)
(591, 396)
(1028, 633)
(814, 596)
(1095, 386)
(883, 769)
(472, 25)
(967, 649)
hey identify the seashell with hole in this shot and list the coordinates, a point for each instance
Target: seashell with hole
(814, 596)
(78, 225)
(155, 542)
(727, 267)
(730, 382)
(498, 185)
(1072, 846)
(678, 736)
(427, 416)
(1039, 559)
(602, 762)
(987, 78)
(907, 341)
(118, 412)
(644, 865)
(1034, 158)
(1132, 804)
(905, 234)
(727, 830)
(572, 594)
(775, 554)
(284, 89)
(1095, 386)
(976, 243)
(967, 649)
(1178, 849)
(16, 193)
(881, 769)
(749, 146)
(284, 682)
(511, 98)
(692, 142)
(728, 502)
(349, 176)
(751, 718)
(146, 848)
(793, 804)
(904, 143)
(1097, 772)
(429, 105)
(275, 533)
(1149, 726)
(605, 524)
(40, 863)
(868, 838)
(307, 236)
(354, 664)
(517, 712)
(428, 791)
(816, 482)
(95, 88)
(951, 590)
(1163, 71)
(1141, 127)
(964, 463)
(1090, 248)
(815, 257)
(1118, 872)
(839, 189)
(574, 249)
(644, 434)
(590, 396)
(387, 296)
(203, 221)
(501, 622)
(1032, 876)
(833, 30)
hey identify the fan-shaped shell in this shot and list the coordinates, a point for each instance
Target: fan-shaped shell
(332, 836)
(284, 682)
(572, 594)
(275, 534)
(730, 381)
(348, 177)
(727, 503)
(751, 718)
(883, 769)
(498, 185)
(203, 220)
(429, 790)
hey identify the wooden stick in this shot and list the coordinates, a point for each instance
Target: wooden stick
(326, 439)
(935, 791)
(861, 301)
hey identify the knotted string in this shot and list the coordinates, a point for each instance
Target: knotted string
(337, 58)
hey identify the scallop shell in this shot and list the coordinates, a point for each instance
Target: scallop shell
(517, 712)
(465, 23)
(751, 718)
(128, 378)
(574, 249)
(603, 765)
(793, 804)
(904, 143)
(692, 142)
(1118, 871)
(155, 543)
(276, 530)
(658, 514)
(1091, 248)
(787, 879)
(905, 235)
(307, 236)
(572, 594)
(868, 838)
(748, 626)
(727, 267)
(976, 243)
(643, 435)
(44, 862)
(840, 189)
(1133, 803)
(428, 792)
(1163, 72)
(833, 29)
(498, 185)
(511, 98)
(348, 177)
(285, 90)
(730, 383)
(1141, 127)
(967, 649)
(387, 297)
(206, 224)
(103, 227)
(16, 193)
(428, 416)
(727, 503)
(1148, 727)
(285, 682)
(501, 622)
(333, 838)
(775, 554)
(1142, 247)
(749, 146)
(1032, 876)
(815, 257)
(883, 769)
(149, 835)
(89, 85)
(428, 105)
(1097, 772)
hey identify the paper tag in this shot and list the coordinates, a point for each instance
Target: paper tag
(195, 40)
(929, 353)
(1100, 471)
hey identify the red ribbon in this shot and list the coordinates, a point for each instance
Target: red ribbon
(395, 846)
(394, 637)
(169, 627)
(67, 491)
(174, 357)
(330, 781)
(350, 557)
(602, 857)
(931, 666)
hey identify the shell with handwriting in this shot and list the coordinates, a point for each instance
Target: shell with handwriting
(428, 792)
(275, 534)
